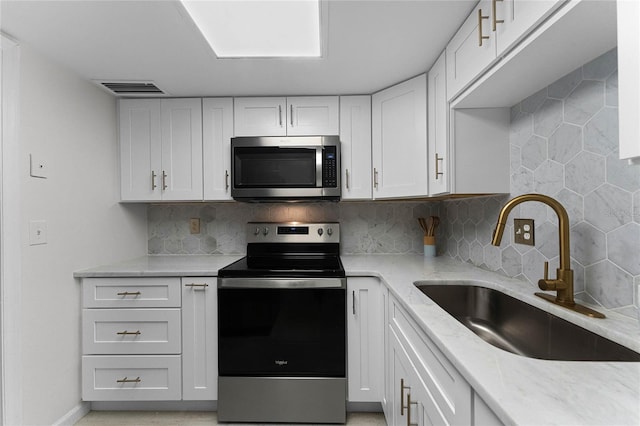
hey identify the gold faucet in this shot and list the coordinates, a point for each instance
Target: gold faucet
(563, 283)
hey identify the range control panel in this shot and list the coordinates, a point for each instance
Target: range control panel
(293, 232)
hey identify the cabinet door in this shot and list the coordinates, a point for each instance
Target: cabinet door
(399, 132)
(629, 84)
(355, 139)
(217, 130)
(200, 339)
(312, 116)
(140, 149)
(438, 115)
(518, 16)
(468, 52)
(181, 174)
(260, 116)
(365, 328)
(482, 414)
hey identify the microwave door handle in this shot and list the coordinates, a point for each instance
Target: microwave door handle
(319, 167)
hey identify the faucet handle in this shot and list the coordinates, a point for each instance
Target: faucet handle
(546, 271)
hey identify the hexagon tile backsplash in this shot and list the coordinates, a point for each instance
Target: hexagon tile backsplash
(564, 143)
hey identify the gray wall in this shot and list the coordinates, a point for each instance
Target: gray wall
(564, 143)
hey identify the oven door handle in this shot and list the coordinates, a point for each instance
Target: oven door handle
(282, 283)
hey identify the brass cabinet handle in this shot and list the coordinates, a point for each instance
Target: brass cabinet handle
(291, 118)
(153, 180)
(494, 18)
(480, 36)
(164, 180)
(226, 179)
(402, 389)
(409, 404)
(375, 178)
(438, 173)
(192, 285)
(128, 333)
(129, 293)
(347, 176)
(127, 380)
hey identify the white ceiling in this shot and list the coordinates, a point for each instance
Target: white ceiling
(370, 45)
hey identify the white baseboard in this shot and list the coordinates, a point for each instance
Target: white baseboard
(75, 414)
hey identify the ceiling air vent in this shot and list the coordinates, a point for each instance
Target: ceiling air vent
(132, 88)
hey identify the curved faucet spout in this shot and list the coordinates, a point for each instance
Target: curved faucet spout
(563, 223)
(563, 283)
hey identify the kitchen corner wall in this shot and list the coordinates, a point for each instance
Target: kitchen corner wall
(564, 143)
(366, 227)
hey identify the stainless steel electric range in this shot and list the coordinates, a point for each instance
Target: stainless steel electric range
(282, 327)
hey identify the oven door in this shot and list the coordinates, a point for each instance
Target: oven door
(282, 328)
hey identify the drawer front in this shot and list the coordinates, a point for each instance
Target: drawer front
(131, 292)
(131, 378)
(131, 331)
(449, 390)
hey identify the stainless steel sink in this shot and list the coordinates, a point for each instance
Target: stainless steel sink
(520, 328)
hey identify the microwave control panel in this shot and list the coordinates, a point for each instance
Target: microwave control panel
(329, 167)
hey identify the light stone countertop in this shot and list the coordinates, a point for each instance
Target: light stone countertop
(519, 390)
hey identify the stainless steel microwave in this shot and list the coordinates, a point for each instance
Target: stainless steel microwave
(296, 168)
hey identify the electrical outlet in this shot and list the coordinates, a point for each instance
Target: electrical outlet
(194, 225)
(523, 231)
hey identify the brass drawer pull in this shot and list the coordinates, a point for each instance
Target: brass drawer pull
(129, 293)
(128, 380)
(495, 20)
(480, 36)
(196, 285)
(402, 389)
(438, 172)
(409, 404)
(129, 333)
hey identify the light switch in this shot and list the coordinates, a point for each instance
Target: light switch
(38, 167)
(37, 232)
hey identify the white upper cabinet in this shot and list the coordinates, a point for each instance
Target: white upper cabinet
(493, 28)
(312, 115)
(217, 130)
(260, 116)
(399, 140)
(161, 149)
(140, 149)
(355, 139)
(471, 50)
(438, 118)
(512, 19)
(628, 82)
(279, 116)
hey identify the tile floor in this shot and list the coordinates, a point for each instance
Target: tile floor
(145, 418)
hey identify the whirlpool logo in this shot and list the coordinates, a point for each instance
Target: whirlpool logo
(281, 362)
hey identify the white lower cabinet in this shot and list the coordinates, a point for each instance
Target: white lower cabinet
(131, 378)
(423, 387)
(199, 339)
(149, 339)
(365, 339)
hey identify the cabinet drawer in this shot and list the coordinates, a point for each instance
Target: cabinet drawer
(447, 387)
(131, 331)
(131, 292)
(131, 378)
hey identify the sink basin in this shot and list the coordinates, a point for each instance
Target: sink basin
(520, 328)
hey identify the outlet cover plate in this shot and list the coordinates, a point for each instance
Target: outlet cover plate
(523, 232)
